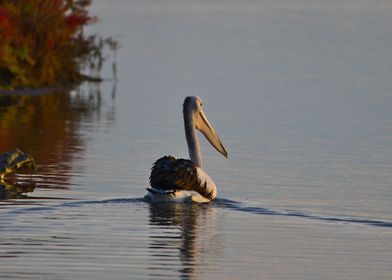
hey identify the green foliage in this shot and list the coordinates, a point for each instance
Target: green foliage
(42, 42)
(14, 161)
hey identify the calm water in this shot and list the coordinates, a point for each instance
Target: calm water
(300, 94)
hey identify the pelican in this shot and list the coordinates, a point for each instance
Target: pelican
(183, 180)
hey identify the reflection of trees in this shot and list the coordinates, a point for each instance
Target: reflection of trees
(10, 190)
(48, 127)
(180, 228)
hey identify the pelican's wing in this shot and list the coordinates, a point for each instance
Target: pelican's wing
(169, 175)
(207, 187)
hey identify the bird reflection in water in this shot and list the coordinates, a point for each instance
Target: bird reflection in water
(182, 235)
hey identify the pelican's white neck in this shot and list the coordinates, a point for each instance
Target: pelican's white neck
(191, 137)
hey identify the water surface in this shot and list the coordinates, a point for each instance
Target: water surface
(299, 93)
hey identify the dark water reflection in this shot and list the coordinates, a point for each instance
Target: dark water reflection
(13, 190)
(48, 125)
(179, 232)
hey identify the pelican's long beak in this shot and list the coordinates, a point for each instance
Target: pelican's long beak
(208, 131)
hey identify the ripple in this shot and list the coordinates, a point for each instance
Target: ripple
(238, 206)
(217, 203)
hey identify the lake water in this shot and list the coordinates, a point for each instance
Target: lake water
(300, 93)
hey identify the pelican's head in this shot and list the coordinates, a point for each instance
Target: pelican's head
(193, 108)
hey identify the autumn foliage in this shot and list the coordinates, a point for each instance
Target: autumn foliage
(42, 42)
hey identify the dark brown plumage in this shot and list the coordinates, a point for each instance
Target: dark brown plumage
(169, 175)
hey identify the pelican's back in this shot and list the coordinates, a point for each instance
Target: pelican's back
(170, 175)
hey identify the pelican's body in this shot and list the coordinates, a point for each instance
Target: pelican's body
(182, 180)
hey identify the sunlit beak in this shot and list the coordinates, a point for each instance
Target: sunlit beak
(208, 131)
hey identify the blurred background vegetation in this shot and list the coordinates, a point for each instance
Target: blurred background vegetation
(42, 42)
